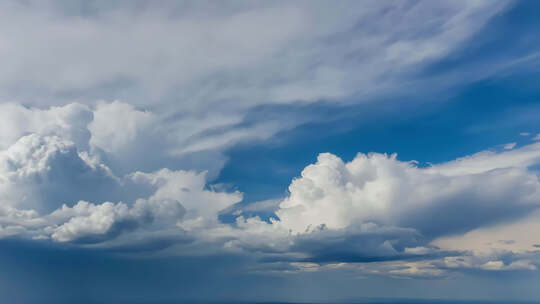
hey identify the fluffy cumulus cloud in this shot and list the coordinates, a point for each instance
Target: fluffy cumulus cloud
(55, 186)
(68, 121)
(179, 202)
(116, 126)
(376, 208)
(58, 184)
(40, 172)
(202, 205)
(379, 188)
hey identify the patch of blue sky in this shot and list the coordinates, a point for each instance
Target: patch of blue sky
(427, 126)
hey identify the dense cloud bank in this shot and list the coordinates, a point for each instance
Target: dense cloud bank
(58, 187)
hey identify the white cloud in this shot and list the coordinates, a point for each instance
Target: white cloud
(42, 172)
(56, 187)
(381, 189)
(116, 125)
(488, 160)
(68, 121)
(276, 51)
(49, 188)
(390, 208)
(396, 210)
(494, 262)
(96, 223)
(191, 77)
(179, 202)
(270, 205)
(87, 219)
(200, 69)
(188, 187)
(509, 146)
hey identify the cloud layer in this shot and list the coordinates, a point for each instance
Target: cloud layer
(134, 174)
(377, 208)
(193, 73)
(59, 185)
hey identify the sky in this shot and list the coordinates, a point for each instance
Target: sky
(258, 151)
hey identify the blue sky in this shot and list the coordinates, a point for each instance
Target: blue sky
(269, 151)
(471, 116)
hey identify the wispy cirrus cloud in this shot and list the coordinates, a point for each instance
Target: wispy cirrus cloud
(199, 69)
